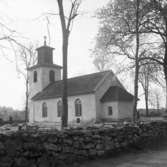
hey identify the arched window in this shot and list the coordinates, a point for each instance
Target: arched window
(59, 108)
(44, 110)
(78, 107)
(51, 76)
(35, 76)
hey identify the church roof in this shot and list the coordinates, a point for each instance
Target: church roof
(45, 47)
(45, 65)
(117, 93)
(76, 86)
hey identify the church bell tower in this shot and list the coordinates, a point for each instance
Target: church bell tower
(45, 72)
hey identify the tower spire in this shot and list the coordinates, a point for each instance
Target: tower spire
(45, 40)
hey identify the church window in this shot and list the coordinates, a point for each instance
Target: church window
(35, 76)
(59, 108)
(110, 111)
(44, 110)
(78, 120)
(78, 107)
(52, 76)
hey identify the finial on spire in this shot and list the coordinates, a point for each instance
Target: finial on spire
(45, 40)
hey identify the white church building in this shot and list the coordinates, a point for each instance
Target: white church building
(92, 97)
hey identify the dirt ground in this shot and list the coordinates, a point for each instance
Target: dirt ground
(153, 157)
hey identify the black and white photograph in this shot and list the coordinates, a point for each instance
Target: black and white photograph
(83, 83)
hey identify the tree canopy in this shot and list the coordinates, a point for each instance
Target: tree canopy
(131, 24)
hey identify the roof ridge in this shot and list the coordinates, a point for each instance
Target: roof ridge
(74, 78)
(102, 80)
(85, 75)
(81, 76)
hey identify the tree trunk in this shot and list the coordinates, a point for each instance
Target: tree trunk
(165, 60)
(165, 71)
(65, 86)
(65, 35)
(166, 96)
(157, 100)
(146, 102)
(146, 90)
(26, 107)
(135, 115)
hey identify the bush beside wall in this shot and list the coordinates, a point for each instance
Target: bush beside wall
(25, 149)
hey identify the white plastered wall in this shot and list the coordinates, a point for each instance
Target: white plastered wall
(42, 82)
(34, 87)
(42, 79)
(114, 106)
(125, 109)
(88, 109)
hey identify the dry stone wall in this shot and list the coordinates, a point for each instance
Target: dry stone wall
(24, 149)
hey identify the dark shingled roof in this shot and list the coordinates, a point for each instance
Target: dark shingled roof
(76, 86)
(116, 93)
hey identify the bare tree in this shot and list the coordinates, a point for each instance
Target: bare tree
(26, 58)
(120, 34)
(128, 28)
(136, 62)
(155, 23)
(149, 73)
(145, 82)
(9, 35)
(66, 25)
(102, 59)
(155, 98)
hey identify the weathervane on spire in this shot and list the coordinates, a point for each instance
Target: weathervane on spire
(45, 40)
